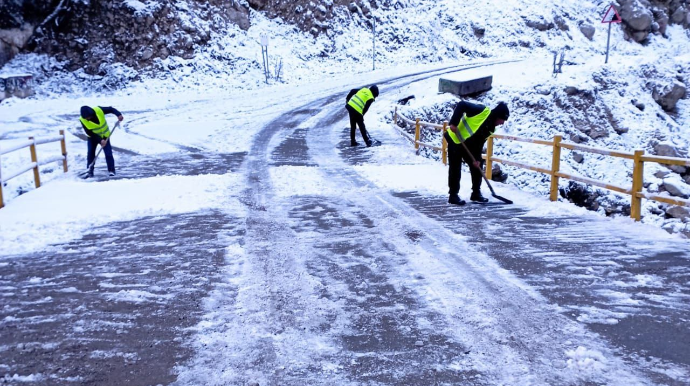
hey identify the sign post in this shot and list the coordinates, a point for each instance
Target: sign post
(611, 16)
(373, 41)
(264, 54)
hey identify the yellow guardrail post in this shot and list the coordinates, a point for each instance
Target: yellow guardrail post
(555, 167)
(416, 134)
(64, 150)
(34, 159)
(444, 144)
(489, 154)
(638, 181)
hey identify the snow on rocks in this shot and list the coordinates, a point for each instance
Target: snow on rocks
(679, 212)
(675, 185)
(668, 94)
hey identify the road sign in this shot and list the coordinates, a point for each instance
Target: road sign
(611, 16)
(264, 40)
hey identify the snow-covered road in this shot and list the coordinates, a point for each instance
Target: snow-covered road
(314, 263)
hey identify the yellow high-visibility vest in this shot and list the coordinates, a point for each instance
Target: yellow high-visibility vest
(359, 100)
(101, 129)
(468, 126)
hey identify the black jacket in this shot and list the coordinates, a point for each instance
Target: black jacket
(106, 110)
(485, 130)
(355, 91)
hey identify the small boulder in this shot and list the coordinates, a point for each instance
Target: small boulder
(679, 16)
(638, 19)
(661, 20)
(497, 173)
(578, 157)
(561, 23)
(661, 173)
(666, 149)
(676, 186)
(540, 24)
(668, 94)
(679, 212)
(147, 53)
(587, 30)
(571, 90)
(578, 138)
(640, 106)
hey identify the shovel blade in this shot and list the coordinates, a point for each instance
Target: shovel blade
(507, 201)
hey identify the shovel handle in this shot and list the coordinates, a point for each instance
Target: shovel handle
(480, 169)
(101, 149)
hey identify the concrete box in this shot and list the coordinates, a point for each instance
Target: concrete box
(466, 86)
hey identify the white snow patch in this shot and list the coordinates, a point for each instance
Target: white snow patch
(584, 359)
(63, 210)
(137, 296)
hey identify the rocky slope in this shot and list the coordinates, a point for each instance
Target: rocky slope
(90, 33)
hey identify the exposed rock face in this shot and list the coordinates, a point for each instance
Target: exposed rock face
(637, 19)
(584, 112)
(89, 33)
(12, 39)
(593, 199)
(314, 16)
(642, 17)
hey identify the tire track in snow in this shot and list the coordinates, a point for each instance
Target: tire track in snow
(498, 315)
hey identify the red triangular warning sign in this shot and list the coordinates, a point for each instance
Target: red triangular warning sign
(611, 16)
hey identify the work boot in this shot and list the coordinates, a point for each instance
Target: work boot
(455, 200)
(369, 143)
(89, 174)
(477, 197)
(111, 174)
(354, 143)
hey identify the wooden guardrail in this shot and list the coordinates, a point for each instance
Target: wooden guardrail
(31, 143)
(638, 158)
(417, 133)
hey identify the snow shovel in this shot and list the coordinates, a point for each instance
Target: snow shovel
(374, 141)
(493, 194)
(85, 174)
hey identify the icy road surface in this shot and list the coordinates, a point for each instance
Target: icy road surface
(314, 263)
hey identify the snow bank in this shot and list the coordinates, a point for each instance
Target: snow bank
(63, 210)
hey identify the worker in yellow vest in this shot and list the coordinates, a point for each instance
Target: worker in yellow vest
(358, 103)
(96, 128)
(471, 125)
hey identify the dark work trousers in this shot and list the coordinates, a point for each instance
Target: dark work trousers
(357, 119)
(457, 154)
(93, 144)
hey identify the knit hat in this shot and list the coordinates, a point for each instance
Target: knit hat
(374, 90)
(87, 112)
(501, 111)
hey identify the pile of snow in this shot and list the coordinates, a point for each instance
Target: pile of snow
(68, 207)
